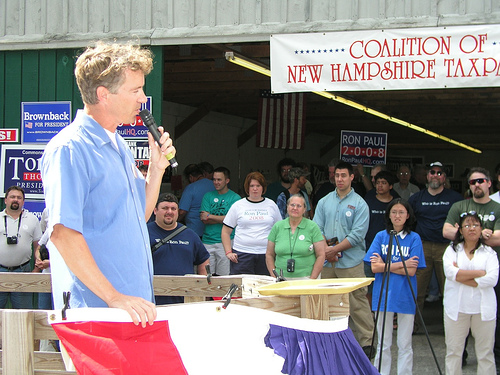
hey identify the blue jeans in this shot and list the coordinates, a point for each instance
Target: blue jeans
(45, 301)
(17, 299)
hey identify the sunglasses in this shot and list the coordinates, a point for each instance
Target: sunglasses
(477, 180)
(433, 172)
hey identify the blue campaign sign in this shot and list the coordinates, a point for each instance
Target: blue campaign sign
(137, 130)
(35, 207)
(20, 166)
(40, 121)
(366, 148)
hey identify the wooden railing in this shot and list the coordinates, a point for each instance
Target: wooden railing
(22, 328)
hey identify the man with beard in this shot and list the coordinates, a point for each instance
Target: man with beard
(275, 189)
(21, 232)
(175, 251)
(489, 213)
(431, 206)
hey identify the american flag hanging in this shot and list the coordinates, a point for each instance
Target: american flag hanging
(281, 121)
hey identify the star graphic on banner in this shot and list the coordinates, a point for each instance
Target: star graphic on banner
(337, 50)
(325, 51)
(296, 52)
(331, 50)
(307, 51)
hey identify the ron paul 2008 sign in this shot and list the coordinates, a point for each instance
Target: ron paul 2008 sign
(366, 148)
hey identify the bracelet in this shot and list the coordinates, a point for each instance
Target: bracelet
(229, 252)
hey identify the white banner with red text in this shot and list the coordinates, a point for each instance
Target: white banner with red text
(397, 59)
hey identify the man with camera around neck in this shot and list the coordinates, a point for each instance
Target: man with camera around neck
(20, 231)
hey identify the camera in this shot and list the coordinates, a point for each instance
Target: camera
(290, 265)
(44, 252)
(332, 241)
(12, 240)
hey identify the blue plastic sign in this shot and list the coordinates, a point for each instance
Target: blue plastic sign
(35, 207)
(40, 121)
(20, 166)
(363, 148)
(137, 130)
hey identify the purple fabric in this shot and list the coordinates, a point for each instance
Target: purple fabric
(312, 353)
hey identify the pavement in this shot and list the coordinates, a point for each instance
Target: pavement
(423, 360)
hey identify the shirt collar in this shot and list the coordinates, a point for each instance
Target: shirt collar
(337, 194)
(23, 213)
(301, 225)
(402, 234)
(94, 129)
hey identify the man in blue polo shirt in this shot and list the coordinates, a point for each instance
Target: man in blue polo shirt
(98, 201)
(345, 215)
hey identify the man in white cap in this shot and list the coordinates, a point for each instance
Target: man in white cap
(431, 207)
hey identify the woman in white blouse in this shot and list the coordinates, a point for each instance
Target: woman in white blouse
(471, 270)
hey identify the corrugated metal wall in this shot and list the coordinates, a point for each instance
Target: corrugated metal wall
(28, 24)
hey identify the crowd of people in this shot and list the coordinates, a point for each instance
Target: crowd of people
(341, 228)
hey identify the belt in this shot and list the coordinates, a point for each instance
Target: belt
(14, 267)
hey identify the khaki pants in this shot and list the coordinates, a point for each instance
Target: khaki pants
(455, 333)
(433, 252)
(359, 308)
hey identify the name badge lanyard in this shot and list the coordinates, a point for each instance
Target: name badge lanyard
(18, 225)
(294, 242)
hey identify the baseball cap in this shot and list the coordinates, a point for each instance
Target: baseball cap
(296, 173)
(436, 164)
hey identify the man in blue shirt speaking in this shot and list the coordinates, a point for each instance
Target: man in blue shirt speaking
(98, 201)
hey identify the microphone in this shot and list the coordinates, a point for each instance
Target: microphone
(150, 122)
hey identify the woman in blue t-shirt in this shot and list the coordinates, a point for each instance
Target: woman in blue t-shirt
(399, 218)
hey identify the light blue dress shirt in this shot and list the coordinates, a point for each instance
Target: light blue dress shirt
(346, 218)
(94, 188)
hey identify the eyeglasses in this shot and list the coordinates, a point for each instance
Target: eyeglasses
(403, 173)
(473, 226)
(295, 205)
(285, 169)
(433, 172)
(477, 180)
(396, 213)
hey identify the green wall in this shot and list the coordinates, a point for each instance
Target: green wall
(47, 75)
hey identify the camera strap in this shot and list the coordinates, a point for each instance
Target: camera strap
(294, 242)
(18, 224)
(159, 244)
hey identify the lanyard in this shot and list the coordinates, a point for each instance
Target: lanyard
(18, 224)
(294, 242)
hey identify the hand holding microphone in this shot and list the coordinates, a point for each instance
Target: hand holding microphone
(150, 122)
